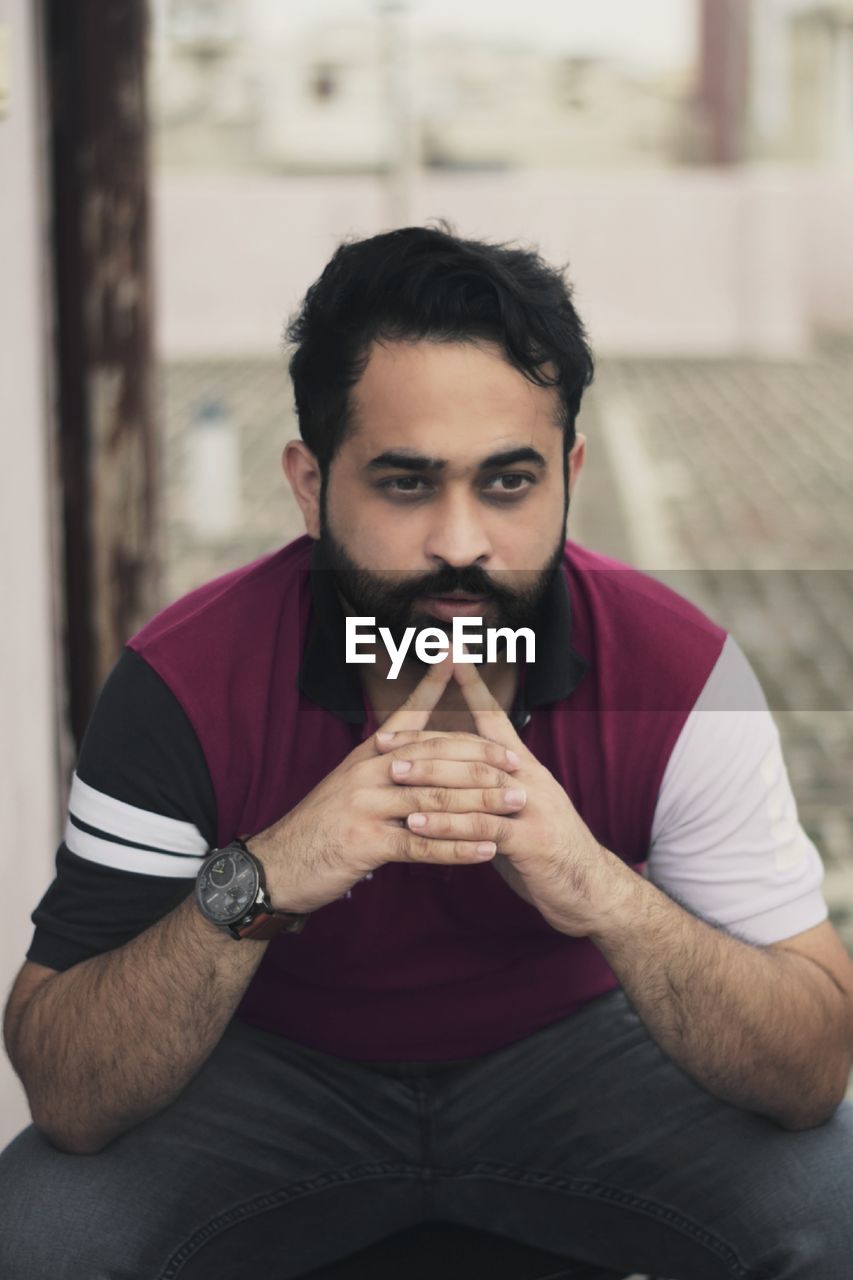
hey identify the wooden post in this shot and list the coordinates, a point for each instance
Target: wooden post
(723, 79)
(96, 56)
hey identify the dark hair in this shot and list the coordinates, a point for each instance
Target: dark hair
(422, 282)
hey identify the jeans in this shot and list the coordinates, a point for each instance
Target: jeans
(583, 1139)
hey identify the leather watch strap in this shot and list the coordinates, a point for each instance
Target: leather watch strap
(265, 925)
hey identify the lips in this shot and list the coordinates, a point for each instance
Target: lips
(450, 606)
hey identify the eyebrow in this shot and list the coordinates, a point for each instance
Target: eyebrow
(408, 460)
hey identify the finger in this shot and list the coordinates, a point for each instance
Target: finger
(415, 712)
(489, 716)
(405, 846)
(399, 802)
(462, 826)
(447, 773)
(428, 743)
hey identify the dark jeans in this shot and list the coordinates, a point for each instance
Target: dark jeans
(583, 1140)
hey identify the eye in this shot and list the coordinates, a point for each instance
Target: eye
(527, 481)
(390, 486)
(514, 484)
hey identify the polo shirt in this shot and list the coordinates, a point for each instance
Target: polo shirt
(231, 704)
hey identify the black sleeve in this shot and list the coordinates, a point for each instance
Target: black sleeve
(142, 813)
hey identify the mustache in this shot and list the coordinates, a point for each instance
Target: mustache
(462, 582)
(469, 581)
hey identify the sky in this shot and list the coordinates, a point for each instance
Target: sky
(654, 33)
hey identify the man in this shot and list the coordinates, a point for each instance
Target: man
(461, 998)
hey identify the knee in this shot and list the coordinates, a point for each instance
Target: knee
(799, 1203)
(63, 1215)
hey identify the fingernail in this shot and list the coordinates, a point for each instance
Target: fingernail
(512, 757)
(386, 736)
(515, 796)
(486, 849)
(417, 820)
(401, 766)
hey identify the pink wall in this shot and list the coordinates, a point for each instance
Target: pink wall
(665, 262)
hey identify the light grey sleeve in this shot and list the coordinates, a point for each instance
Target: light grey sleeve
(726, 837)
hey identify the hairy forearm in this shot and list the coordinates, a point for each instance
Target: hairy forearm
(111, 1041)
(766, 1030)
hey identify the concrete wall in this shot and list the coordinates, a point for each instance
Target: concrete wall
(825, 218)
(690, 262)
(28, 785)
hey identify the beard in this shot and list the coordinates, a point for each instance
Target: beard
(394, 602)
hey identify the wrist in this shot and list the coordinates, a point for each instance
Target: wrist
(618, 899)
(231, 891)
(264, 846)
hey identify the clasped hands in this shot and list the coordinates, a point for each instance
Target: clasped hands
(489, 786)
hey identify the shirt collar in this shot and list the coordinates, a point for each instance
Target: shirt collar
(328, 680)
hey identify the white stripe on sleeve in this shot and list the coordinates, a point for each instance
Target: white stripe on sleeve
(127, 822)
(124, 858)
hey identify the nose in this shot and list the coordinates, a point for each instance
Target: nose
(457, 535)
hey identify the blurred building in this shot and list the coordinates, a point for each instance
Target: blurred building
(703, 210)
(323, 100)
(515, 107)
(801, 101)
(203, 84)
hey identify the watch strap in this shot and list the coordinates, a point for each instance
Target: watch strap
(266, 924)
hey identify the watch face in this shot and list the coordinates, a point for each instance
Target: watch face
(227, 886)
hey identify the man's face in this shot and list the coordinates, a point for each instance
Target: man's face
(450, 482)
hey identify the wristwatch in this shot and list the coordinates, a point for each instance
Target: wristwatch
(230, 891)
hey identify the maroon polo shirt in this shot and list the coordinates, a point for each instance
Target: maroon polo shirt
(428, 962)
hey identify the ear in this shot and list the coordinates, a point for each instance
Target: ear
(577, 456)
(303, 475)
